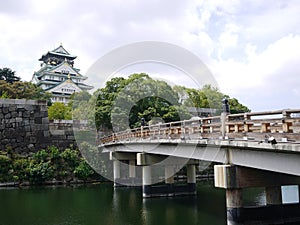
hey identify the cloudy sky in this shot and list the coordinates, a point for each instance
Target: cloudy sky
(251, 47)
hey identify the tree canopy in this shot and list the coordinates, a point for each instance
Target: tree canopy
(122, 103)
(208, 97)
(8, 75)
(59, 111)
(20, 89)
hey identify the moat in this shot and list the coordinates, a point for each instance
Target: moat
(102, 205)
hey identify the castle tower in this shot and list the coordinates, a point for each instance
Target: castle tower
(58, 76)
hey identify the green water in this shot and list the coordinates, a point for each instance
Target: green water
(102, 205)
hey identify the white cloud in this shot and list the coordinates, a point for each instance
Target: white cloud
(273, 72)
(247, 44)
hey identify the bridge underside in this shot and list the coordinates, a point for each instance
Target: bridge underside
(264, 156)
(240, 165)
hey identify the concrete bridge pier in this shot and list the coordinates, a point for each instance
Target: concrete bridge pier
(169, 180)
(117, 172)
(236, 178)
(191, 178)
(124, 169)
(273, 195)
(147, 181)
(151, 188)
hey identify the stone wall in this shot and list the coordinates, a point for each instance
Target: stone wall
(25, 127)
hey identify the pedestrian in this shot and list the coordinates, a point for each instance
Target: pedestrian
(143, 122)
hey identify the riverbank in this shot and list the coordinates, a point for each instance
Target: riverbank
(49, 166)
(51, 183)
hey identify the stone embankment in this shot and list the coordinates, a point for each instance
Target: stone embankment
(25, 127)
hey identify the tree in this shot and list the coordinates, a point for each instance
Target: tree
(208, 97)
(123, 102)
(80, 103)
(20, 90)
(59, 111)
(8, 75)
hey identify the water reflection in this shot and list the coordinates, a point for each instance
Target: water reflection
(102, 205)
(256, 211)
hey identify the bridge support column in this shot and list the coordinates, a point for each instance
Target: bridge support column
(147, 181)
(169, 180)
(299, 194)
(169, 188)
(191, 178)
(273, 195)
(117, 172)
(132, 172)
(235, 178)
(124, 169)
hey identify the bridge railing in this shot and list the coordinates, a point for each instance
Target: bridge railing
(283, 124)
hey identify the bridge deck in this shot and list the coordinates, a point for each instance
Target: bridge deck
(263, 140)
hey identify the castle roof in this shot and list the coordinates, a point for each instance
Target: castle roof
(59, 51)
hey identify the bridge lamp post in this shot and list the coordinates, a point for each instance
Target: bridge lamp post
(225, 112)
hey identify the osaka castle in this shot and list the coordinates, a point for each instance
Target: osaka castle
(58, 76)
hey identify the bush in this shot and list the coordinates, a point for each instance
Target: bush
(83, 170)
(21, 169)
(5, 167)
(40, 172)
(41, 156)
(44, 165)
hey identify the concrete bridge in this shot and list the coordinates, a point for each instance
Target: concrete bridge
(260, 149)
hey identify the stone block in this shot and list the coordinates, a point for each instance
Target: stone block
(38, 120)
(27, 128)
(46, 133)
(20, 139)
(7, 116)
(69, 132)
(12, 108)
(45, 120)
(32, 139)
(28, 108)
(70, 137)
(26, 114)
(14, 114)
(57, 132)
(5, 110)
(30, 146)
(28, 134)
(4, 141)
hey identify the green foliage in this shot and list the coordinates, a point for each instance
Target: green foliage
(5, 167)
(8, 75)
(45, 165)
(41, 156)
(59, 111)
(208, 97)
(71, 157)
(22, 90)
(21, 169)
(236, 107)
(81, 105)
(40, 171)
(96, 159)
(83, 170)
(123, 102)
